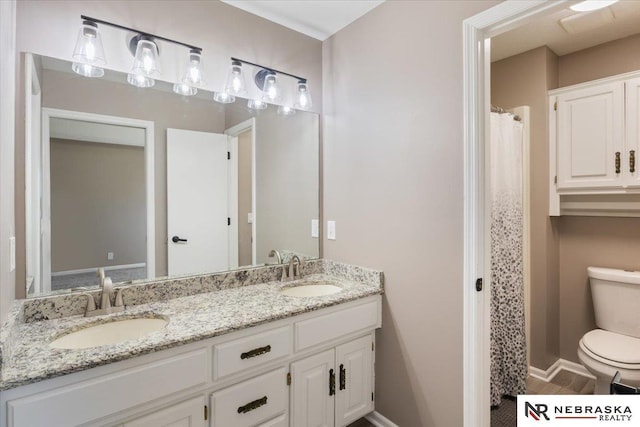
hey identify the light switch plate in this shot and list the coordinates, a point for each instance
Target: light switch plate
(315, 228)
(110, 256)
(12, 254)
(331, 230)
(250, 218)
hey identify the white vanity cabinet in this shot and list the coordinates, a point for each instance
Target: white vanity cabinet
(260, 376)
(335, 387)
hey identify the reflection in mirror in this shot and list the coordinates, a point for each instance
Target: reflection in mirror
(147, 183)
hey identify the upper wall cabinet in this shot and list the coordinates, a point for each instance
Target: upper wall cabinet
(594, 138)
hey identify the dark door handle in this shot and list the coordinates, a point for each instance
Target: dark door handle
(176, 239)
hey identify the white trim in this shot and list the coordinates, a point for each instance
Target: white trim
(149, 165)
(94, 269)
(476, 105)
(556, 367)
(249, 124)
(379, 420)
(232, 200)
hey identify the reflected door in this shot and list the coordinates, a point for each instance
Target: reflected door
(197, 202)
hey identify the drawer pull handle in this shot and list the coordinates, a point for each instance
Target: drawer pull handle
(332, 382)
(255, 352)
(617, 162)
(632, 161)
(252, 405)
(343, 377)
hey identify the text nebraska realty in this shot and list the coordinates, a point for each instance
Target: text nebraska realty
(601, 413)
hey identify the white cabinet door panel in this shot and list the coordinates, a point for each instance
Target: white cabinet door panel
(590, 133)
(630, 161)
(355, 385)
(311, 402)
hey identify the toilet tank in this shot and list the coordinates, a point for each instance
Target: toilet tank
(616, 299)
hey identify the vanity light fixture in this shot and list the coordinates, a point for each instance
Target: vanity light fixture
(256, 104)
(223, 97)
(590, 5)
(235, 84)
(303, 96)
(270, 87)
(88, 54)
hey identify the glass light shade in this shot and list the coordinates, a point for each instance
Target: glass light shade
(194, 73)
(146, 59)
(589, 5)
(88, 54)
(303, 96)
(223, 97)
(87, 70)
(140, 80)
(184, 89)
(256, 104)
(236, 83)
(271, 88)
(284, 110)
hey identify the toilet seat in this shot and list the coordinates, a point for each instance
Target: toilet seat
(613, 349)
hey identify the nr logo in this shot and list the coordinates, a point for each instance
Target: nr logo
(536, 411)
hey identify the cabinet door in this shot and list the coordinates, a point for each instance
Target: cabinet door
(590, 133)
(354, 361)
(186, 414)
(630, 161)
(312, 403)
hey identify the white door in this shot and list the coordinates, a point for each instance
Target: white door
(354, 395)
(630, 157)
(312, 397)
(185, 414)
(590, 137)
(197, 202)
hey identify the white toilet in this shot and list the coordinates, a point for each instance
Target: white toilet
(616, 345)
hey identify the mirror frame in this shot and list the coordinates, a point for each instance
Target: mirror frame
(148, 126)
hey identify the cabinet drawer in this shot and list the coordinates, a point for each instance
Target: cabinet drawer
(334, 325)
(248, 352)
(280, 421)
(189, 413)
(92, 399)
(251, 402)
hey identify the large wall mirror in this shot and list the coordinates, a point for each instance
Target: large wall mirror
(146, 183)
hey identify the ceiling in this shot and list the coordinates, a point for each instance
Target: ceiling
(623, 21)
(319, 19)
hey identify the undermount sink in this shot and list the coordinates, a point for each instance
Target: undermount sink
(109, 333)
(303, 290)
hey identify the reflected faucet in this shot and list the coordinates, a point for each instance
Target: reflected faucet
(106, 287)
(294, 267)
(275, 253)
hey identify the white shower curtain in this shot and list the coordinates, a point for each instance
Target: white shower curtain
(508, 342)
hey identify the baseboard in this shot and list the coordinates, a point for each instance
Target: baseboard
(559, 365)
(379, 420)
(93, 270)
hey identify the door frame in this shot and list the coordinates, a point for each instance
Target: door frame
(148, 126)
(233, 132)
(477, 30)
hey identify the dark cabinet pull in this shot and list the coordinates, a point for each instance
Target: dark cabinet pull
(632, 161)
(252, 405)
(176, 239)
(617, 162)
(343, 377)
(332, 382)
(255, 352)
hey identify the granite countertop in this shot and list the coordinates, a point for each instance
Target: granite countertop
(191, 318)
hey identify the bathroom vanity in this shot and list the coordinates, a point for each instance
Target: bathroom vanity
(236, 351)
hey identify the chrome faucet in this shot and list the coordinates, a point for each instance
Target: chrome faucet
(106, 287)
(294, 267)
(275, 253)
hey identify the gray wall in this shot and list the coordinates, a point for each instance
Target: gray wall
(393, 182)
(287, 147)
(50, 28)
(524, 80)
(97, 205)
